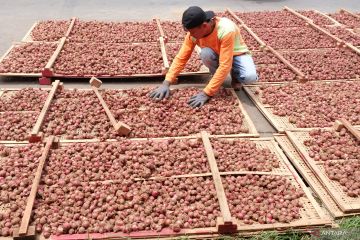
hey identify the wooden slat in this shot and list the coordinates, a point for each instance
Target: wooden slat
(350, 13)
(30, 202)
(286, 62)
(281, 226)
(312, 24)
(162, 34)
(244, 135)
(163, 53)
(72, 23)
(253, 173)
(120, 127)
(57, 75)
(175, 176)
(262, 44)
(7, 52)
(52, 59)
(27, 37)
(355, 49)
(351, 128)
(340, 42)
(336, 23)
(21, 74)
(298, 14)
(106, 108)
(224, 207)
(41, 117)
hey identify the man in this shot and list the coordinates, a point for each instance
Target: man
(223, 50)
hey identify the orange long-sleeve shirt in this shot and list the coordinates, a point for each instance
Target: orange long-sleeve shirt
(225, 40)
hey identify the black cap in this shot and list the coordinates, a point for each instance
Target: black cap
(195, 16)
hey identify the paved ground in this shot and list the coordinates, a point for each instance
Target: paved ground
(17, 16)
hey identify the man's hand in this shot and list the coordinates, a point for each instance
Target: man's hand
(161, 92)
(198, 100)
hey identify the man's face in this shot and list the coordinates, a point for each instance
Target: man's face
(199, 31)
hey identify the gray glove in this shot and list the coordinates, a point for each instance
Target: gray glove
(161, 92)
(198, 100)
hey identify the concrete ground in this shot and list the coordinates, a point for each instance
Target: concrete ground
(17, 16)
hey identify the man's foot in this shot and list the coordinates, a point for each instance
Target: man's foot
(236, 85)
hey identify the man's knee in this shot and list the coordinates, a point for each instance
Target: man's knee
(250, 77)
(247, 77)
(207, 55)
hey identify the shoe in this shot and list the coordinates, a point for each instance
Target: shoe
(236, 85)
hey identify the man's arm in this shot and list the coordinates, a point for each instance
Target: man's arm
(225, 64)
(181, 59)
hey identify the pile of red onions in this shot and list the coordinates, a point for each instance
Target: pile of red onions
(16, 126)
(263, 199)
(114, 32)
(314, 104)
(127, 207)
(25, 99)
(270, 19)
(330, 145)
(27, 58)
(18, 166)
(174, 117)
(50, 30)
(100, 59)
(194, 63)
(317, 18)
(125, 159)
(237, 155)
(77, 114)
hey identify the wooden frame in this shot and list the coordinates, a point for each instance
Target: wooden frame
(53, 73)
(335, 23)
(30, 202)
(164, 55)
(35, 137)
(226, 223)
(317, 217)
(262, 44)
(312, 24)
(343, 10)
(280, 123)
(27, 37)
(119, 127)
(346, 204)
(300, 75)
(247, 123)
(48, 69)
(22, 74)
(310, 177)
(338, 40)
(71, 26)
(314, 216)
(345, 123)
(161, 30)
(266, 111)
